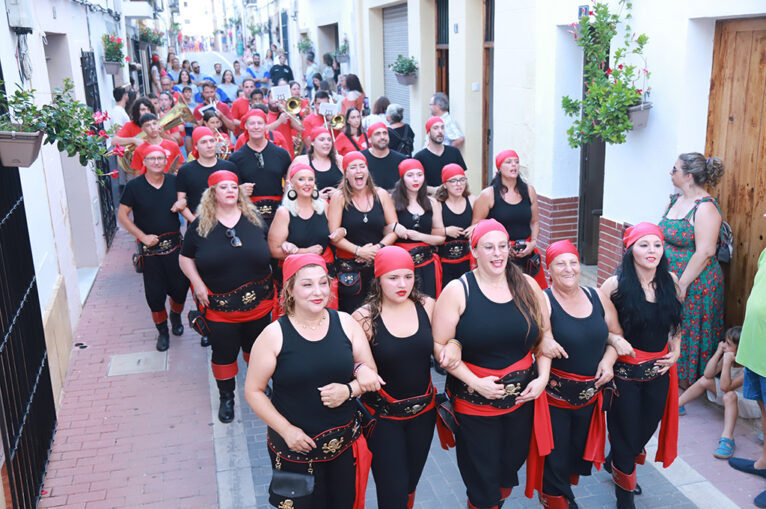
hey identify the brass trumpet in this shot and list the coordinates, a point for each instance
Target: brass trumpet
(338, 122)
(292, 108)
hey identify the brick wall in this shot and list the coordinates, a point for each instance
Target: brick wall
(558, 220)
(610, 247)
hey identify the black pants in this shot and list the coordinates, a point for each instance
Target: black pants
(351, 298)
(452, 271)
(163, 278)
(490, 452)
(334, 483)
(633, 418)
(399, 453)
(227, 339)
(570, 433)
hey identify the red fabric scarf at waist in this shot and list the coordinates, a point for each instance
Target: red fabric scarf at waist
(256, 199)
(667, 448)
(594, 445)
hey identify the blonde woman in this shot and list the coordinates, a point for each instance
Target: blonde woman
(226, 257)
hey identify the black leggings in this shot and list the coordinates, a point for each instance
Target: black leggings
(570, 433)
(334, 483)
(163, 278)
(633, 418)
(226, 340)
(399, 452)
(490, 452)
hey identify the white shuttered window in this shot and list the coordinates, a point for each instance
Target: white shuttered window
(394, 44)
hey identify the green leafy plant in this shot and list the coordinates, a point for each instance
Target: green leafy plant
(610, 85)
(343, 50)
(404, 65)
(113, 49)
(305, 45)
(151, 35)
(71, 125)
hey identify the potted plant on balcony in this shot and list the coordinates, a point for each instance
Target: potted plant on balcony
(65, 121)
(611, 92)
(341, 54)
(305, 45)
(113, 56)
(151, 36)
(405, 69)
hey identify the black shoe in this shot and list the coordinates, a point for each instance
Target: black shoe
(226, 410)
(163, 338)
(204, 341)
(624, 498)
(608, 467)
(176, 325)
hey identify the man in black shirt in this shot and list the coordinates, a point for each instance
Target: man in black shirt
(261, 165)
(382, 161)
(152, 199)
(192, 176)
(281, 71)
(436, 155)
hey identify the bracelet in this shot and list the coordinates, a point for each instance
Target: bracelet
(458, 343)
(394, 228)
(356, 250)
(350, 392)
(382, 245)
(345, 232)
(357, 366)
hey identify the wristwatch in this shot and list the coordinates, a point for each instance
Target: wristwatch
(382, 245)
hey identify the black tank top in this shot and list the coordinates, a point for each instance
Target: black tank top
(417, 222)
(308, 232)
(462, 220)
(304, 365)
(650, 337)
(327, 178)
(364, 227)
(404, 363)
(493, 335)
(584, 339)
(515, 218)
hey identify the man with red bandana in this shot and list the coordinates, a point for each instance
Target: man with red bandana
(381, 160)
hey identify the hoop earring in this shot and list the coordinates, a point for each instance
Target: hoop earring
(315, 194)
(292, 195)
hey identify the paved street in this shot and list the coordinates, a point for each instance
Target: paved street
(149, 437)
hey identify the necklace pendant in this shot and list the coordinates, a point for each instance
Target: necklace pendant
(364, 219)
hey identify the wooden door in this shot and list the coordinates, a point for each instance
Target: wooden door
(736, 132)
(488, 62)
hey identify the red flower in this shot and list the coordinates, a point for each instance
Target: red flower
(118, 150)
(639, 91)
(103, 134)
(590, 13)
(609, 71)
(575, 37)
(619, 66)
(90, 133)
(127, 59)
(119, 40)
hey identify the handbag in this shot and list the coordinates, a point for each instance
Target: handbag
(198, 323)
(350, 283)
(529, 264)
(138, 263)
(291, 484)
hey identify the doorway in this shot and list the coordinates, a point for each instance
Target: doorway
(488, 76)
(442, 46)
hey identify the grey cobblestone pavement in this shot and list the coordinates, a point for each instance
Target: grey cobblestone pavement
(441, 485)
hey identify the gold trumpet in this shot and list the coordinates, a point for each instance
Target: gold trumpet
(338, 122)
(175, 116)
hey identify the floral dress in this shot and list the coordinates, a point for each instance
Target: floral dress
(702, 326)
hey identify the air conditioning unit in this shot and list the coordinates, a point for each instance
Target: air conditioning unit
(20, 16)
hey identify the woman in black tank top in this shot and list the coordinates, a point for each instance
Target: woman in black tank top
(325, 162)
(396, 319)
(363, 211)
(580, 319)
(419, 225)
(318, 360)
(487, 325)
(649, 308)
(457, 213)
(513, 203)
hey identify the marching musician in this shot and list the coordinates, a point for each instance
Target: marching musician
(279, 121)
(151, 128)
(152, 200)
(315, 120)
(242, 104)
(224, 145)
(209, 99)
(128, 133)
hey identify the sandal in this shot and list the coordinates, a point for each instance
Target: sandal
(725, 448)
(682, 410)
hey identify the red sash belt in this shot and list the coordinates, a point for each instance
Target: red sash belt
(410, 246)
(262, 309)
(667, 449)
(594, 445)
(412, 411)
(256, 199)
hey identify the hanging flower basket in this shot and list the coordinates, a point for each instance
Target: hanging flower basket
(113, 68)
(342, 59)
(639, 114)
(19, 148)
(407, 79)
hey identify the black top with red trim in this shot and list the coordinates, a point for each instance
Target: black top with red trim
(308, 232)
(222, 266)
(327, 178)
(418, 222)
(151, 206)
(267, 177)
(433, 164)
(493, 335)
(304, 365)
(364, 227)
(192, 180)
(404, 363)
(515, 218)
(584, 339)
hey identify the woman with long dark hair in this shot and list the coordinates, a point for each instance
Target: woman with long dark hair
(354, 95)
(319, 361)
(184, 80)
(364, 210)
(487, 326)
(647, 298)
(419, 225)
(353, 138)
(228, 85)
(397, 321)
(513, 203)
(325, 162)
(457, 211)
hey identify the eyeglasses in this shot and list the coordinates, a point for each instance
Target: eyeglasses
(259, 158)
(461, 180)
(154, 159)
(416, 221)
(231, 233)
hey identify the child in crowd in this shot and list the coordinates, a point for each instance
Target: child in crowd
(225, 146)
(725, 391)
